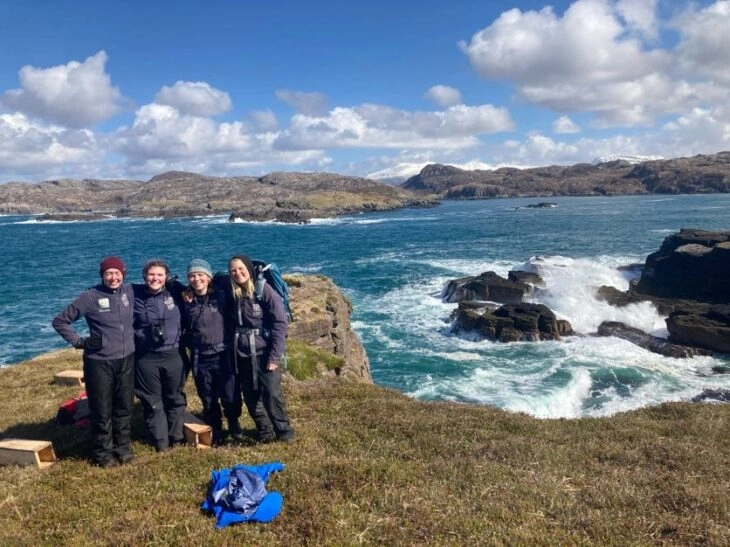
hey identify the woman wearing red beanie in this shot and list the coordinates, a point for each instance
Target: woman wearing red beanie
(108, 360)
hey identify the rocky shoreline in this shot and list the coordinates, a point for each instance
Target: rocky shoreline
(686, 279)
(280, 197)
(300, 197)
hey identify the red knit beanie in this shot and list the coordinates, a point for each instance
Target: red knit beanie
(112, 262)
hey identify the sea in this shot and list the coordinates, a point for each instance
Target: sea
(393, 266)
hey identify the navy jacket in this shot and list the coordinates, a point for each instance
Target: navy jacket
(204, 322)
(156, 314)
(109, 315)
(267, 314)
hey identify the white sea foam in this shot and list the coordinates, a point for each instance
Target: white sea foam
(564, 402)
(359, 220)
(464, 267)
(327, 221)
(212, 219)
(38, 221)
(579, 376)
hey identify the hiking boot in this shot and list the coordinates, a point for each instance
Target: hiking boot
(265, 437)
(107, 462)
(234, 428)
(126, 458)
(217, 437)
(177, 443)
(287, 438)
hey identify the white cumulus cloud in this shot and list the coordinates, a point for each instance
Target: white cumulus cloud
(28, 148)
(565, 125)
(640, 16)
(163, 138)
(73, 95)
(378, 126)
(444, 95)
(195, 98)
(704, 48)
(592, 58)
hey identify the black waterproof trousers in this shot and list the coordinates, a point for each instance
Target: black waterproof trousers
(264, 401)
(217, 386)
(159, 385)
(110, 393)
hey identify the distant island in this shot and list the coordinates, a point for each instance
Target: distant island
(299, 197)
(282, 197)
(703, 174)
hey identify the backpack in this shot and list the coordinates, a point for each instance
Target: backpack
(74, 411)
(269, 273)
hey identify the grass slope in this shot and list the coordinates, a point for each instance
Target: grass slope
(374, 467)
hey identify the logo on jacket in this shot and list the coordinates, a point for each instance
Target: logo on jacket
(169, 303)
(125, 301)
(103, 304)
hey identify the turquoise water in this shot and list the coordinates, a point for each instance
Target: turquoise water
(392, 266)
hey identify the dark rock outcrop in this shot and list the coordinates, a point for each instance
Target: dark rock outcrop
(529, 278)
(647, 341)
(710, 329)
(488, 286)
(687, 279)
(541, 205)
(511, 323)
(692, 264)
(664, 306)
(713, 396)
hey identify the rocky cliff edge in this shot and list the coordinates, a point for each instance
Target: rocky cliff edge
(321, 341)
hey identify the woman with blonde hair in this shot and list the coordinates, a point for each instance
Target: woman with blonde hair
(259, 325)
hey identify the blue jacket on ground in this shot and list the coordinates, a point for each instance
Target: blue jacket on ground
(238, 494)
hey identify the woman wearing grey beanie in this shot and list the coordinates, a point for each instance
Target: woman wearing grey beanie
(203, 317)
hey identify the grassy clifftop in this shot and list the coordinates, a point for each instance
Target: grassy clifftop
(372, 466)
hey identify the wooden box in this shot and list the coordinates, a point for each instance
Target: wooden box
(69, 378)
(25, 452)
(198, 435)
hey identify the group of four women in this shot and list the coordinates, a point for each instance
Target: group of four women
(145, 337)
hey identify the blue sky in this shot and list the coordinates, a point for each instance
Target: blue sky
(132, 89)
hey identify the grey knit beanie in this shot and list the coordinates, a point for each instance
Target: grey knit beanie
(200, 265)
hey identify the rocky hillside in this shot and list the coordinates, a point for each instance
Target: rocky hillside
(299, 197)
(698, 174)
(287, 197)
